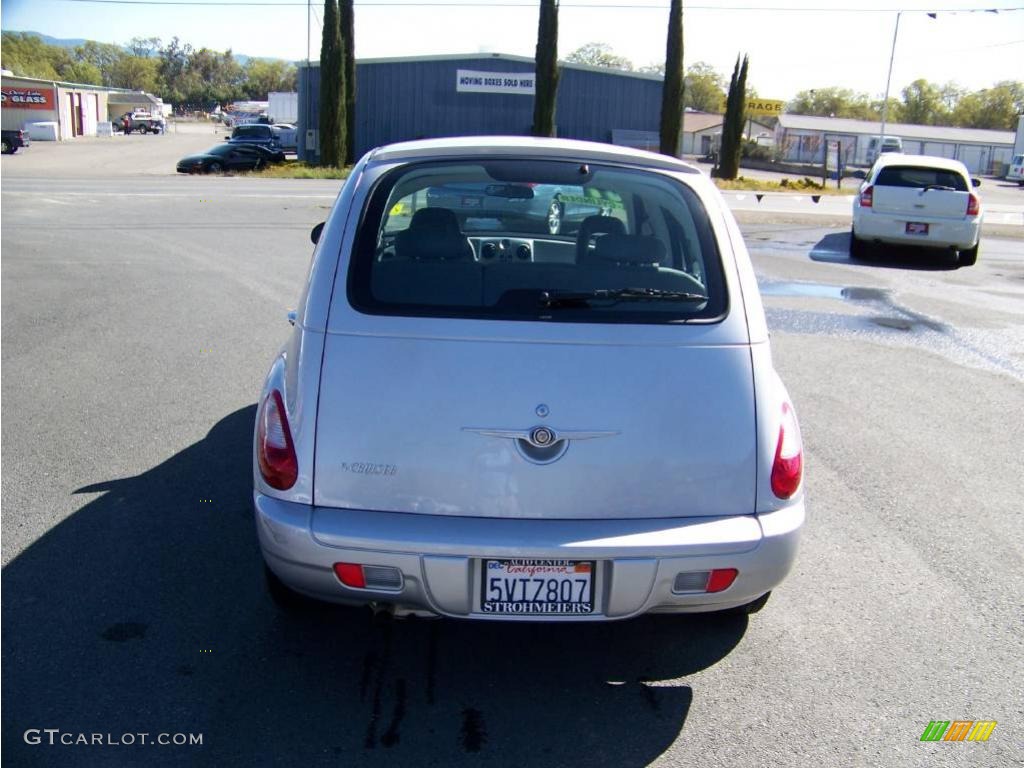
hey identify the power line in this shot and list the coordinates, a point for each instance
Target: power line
(563, 6)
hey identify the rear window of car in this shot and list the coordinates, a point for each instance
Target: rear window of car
(251, 132)
(536, 240)
(918, 177)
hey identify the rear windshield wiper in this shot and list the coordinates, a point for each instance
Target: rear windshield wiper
(942, 187)
(612, 296)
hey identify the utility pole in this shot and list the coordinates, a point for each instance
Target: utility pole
(885, 102)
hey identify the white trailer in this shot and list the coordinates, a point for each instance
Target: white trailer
(283, 107)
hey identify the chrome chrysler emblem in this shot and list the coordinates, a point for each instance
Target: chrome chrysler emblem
(540, 444)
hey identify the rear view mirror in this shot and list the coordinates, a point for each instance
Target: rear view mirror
(510, 191)
(975, 182)
(315, 233)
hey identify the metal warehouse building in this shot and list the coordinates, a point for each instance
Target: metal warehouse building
(801, 138)
(478, 94)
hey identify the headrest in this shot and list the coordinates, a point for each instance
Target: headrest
(629, 249)
(440, 220)
(433, 235)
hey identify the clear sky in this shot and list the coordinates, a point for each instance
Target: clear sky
(822, 43)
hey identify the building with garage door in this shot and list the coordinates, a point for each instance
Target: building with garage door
(801, 139)
(51, 110)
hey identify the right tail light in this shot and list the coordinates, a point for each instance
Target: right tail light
(788, 466)
(973, 205)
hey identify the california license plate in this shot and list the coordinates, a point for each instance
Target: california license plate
(548, 587)
(917, 228)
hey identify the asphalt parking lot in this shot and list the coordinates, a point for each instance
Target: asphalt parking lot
(140, 312)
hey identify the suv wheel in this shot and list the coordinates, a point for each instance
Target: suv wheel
(858, 248)
(968, 257)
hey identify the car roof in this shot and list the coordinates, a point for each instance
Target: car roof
(921, 161)
(527, 146)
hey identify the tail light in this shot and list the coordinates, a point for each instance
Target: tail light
(274, 447)
(787, 469)
(867, 197)
(973, 206)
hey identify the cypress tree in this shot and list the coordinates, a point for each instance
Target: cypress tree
(546, 77)
(332, 86)
(732, 129)
(672, 88)
(348, 41)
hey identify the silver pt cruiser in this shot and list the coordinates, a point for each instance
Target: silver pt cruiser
(476, 421)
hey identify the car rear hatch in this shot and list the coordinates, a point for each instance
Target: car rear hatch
(920, 193)
(428, 425)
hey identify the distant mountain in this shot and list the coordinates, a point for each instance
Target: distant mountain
(58, 41)
(65, 42)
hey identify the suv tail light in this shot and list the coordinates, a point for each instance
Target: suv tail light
(973, 206)
(867, 197)
(275, 450)
(787, 469)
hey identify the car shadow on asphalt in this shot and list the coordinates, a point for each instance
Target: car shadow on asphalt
(835, 249)
(145, 612)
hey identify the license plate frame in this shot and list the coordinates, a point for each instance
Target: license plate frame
(918, 228)
(526, 574)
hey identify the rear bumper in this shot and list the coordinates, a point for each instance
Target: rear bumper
(439, 556)
(891, 228)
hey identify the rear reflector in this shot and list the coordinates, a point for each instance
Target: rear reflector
(350, 574)
(368, 576)
(787, 469)
(721, 578)
(705, 581)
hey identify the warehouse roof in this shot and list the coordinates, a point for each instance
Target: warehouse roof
(133, 97)
(500, 57)
(867, 127)
(64, 84)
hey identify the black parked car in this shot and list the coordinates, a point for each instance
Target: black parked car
(13, 140)
(230, 157)
(254, 133)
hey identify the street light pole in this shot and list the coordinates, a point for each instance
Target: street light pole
(885, 102)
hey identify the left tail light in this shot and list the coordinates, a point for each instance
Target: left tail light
(788, 467)
(279, 465)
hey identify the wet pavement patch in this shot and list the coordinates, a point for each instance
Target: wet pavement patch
(822, 291)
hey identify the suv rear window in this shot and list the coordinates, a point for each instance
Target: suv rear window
(918, 178)
(251, 132)
(536, 240)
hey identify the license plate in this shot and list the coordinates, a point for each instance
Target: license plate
(538, 587)
(471, 202)
(917, 228)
